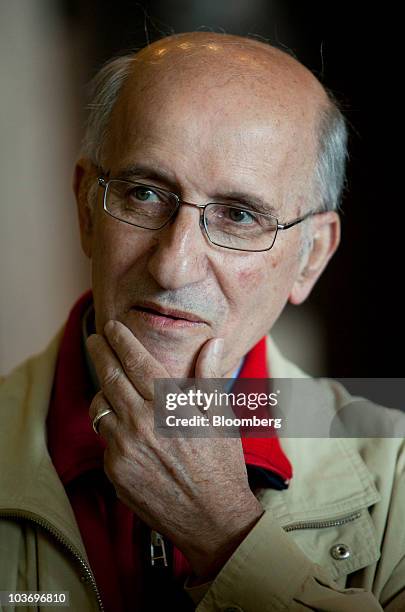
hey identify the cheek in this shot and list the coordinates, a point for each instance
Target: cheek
(116, 251)
(252, 284)
(250, 278)
(111, 259)
(259, 271)
(106, 258)
(265, 280)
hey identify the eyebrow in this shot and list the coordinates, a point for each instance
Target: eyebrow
(136, 171)
(247, 200)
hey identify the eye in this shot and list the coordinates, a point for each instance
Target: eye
(241, 216)
(144, 194)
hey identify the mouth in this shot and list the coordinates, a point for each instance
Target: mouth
(159, 316)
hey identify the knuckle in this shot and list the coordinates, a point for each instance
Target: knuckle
(123, 445)
(110, 376)
(145, 430)
(130, 363)
(99, 399)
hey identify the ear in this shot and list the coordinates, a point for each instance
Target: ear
(325, 236)
(84, 178)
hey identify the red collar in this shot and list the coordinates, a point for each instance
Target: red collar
(263, 452)
(72, 443)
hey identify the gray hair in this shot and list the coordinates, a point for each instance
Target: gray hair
(329, 175)
(330, 167)
(103, 92)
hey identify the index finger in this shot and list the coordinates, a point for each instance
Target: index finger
(140, 366)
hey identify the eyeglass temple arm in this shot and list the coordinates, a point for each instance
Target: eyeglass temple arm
(284, 226)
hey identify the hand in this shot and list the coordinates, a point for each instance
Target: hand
(193, 491)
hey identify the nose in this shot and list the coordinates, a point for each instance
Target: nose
(179, 256)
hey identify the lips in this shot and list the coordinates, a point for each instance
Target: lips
(171, 313)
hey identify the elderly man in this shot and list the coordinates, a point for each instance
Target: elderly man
(207, 195)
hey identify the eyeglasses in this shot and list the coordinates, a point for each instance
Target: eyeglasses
(226, 225)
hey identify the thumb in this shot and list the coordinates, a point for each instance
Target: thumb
(208, 364)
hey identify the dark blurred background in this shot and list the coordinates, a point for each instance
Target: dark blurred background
(351, 326)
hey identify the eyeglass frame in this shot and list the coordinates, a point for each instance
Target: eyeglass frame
(279, 226)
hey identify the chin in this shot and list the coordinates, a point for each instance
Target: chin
(176, 367)
(180, 371)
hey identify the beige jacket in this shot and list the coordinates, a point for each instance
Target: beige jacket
(333, 541)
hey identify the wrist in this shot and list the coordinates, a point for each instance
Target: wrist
(209, 558)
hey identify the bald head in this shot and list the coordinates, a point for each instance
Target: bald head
(227, 55)
(247, 81)
(216, 53)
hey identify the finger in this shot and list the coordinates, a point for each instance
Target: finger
(114, 383)
(208, 364)
(106, 426)
(208, 368)
(139, 365)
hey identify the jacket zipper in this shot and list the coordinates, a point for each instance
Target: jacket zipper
(323, 524)
(48, 527)
(158, 556)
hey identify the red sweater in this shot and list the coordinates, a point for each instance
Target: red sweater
(115, 539)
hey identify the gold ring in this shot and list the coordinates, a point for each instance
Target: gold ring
(100, 416)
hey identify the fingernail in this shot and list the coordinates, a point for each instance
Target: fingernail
(218, 348)
(109, 326)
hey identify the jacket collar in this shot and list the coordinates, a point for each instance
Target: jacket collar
(346, 483)
(30, 486)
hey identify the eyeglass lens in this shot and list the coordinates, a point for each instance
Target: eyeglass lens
(227, 225)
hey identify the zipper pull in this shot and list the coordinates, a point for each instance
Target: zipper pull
(157, 550)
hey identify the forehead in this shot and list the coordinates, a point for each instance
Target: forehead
(226, 121)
